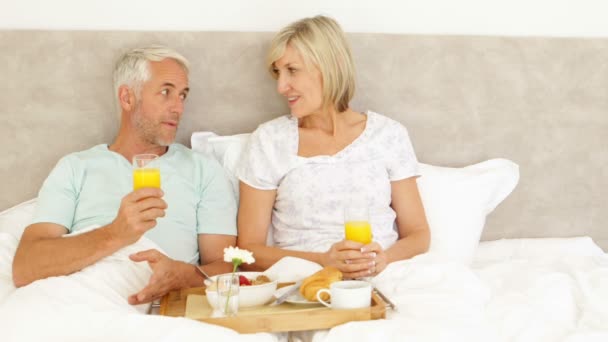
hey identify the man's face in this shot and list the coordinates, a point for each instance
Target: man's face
(161, 103)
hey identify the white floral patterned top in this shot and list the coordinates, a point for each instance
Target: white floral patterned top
(308, 213)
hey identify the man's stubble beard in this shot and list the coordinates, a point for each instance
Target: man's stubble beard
(148, 130)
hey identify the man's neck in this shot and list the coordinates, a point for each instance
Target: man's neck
(128, 146)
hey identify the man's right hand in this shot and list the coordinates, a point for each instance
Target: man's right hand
(137, 214)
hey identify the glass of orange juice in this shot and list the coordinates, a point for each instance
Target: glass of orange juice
(146, 172)
(356, 224)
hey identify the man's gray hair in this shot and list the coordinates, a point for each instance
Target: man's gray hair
(132, 68)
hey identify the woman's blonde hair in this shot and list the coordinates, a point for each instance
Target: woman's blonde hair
(322, 43)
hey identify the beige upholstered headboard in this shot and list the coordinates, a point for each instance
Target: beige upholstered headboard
(541, 102)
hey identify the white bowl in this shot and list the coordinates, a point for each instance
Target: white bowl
(249, 296)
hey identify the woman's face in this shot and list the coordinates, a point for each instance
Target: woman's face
(300, 84)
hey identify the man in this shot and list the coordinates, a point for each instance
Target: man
(194, 212)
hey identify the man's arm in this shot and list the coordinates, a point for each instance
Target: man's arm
(171, 274)
(43, 251)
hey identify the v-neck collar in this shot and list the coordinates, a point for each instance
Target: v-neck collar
(339, 154)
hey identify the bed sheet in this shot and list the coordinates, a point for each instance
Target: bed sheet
(516, 290)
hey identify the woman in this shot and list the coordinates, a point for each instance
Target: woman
(300, 171)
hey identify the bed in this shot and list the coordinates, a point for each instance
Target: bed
(511, 133)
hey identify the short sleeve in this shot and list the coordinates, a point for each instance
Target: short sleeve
(401, 159)
(216, 212)
(259, 167)
(58, 196)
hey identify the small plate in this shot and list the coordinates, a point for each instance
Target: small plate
(295, 298)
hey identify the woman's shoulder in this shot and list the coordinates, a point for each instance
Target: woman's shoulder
(383, 123)
(276, 126)
(275, 137)
(268, 153)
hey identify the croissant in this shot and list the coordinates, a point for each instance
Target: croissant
(320, 280)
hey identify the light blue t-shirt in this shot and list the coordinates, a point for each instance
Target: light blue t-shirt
(86, 188)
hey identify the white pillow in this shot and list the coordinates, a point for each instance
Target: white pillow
(490, 252)
(14, 220)
(456, 200)
(225, 149)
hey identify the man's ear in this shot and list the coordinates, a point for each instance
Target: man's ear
(126, 98)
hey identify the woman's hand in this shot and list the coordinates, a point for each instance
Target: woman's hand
(380, 259)
(347, 257)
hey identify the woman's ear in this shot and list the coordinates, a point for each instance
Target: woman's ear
(126, 98)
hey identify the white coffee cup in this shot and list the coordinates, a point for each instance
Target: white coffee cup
(347, 294)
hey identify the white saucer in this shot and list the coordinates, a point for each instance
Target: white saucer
(295, 298)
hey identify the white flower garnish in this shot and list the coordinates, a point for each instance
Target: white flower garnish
(238, 256)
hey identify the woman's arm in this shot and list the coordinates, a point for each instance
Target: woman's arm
(413, 229)
(255, 211)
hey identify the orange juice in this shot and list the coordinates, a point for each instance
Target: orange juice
(358, 231)
(146, 178)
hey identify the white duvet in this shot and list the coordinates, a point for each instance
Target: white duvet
(91, 305)
(516, 290)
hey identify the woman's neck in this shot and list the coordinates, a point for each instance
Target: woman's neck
(328, 121)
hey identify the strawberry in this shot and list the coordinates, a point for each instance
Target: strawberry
(243, 281)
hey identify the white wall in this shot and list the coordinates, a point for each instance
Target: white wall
(479, 17)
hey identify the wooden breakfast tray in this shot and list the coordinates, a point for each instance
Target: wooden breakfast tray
(284, 317)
